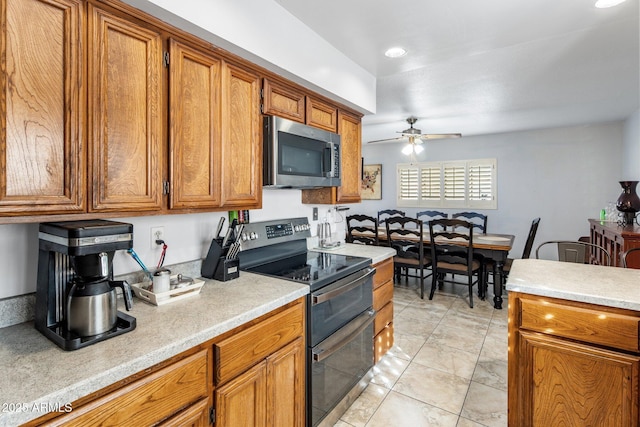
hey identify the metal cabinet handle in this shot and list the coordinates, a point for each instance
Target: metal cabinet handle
(341, 288)
(343, 336)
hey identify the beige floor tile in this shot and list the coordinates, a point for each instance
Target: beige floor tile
(440, 389)
(405, 346)
(435, 354)
(485, 405)
(387, 371)
(458, 337)
(412, 326)
(365, 405)
(399, 410)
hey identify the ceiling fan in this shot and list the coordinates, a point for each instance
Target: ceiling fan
(416, 137)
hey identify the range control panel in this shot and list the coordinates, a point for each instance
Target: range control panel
(258, 234)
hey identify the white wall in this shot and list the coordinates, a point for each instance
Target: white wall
(631, 148)
(563, 175)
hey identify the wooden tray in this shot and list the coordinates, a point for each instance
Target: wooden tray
(166, 297)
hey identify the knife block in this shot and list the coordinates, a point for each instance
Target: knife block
(217, 266)
(227, 269)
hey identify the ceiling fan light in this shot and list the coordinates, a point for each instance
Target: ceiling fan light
(408, 149)
(418, 149)
(395, 52)
(602, 4)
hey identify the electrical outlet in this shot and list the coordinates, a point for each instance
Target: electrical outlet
(315, 214)
(157, 233)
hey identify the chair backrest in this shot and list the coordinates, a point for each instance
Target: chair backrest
(405, 235)
(478, 220)
(362, 229)
(526, 253)
(451, 241)
(427, 216)
(629, 257)
(388, 213)
(578, 252)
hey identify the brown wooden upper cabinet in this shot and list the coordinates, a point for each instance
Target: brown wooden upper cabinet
(42, 107)
(242, 141)
(125, 120)
(322, 115)
(195, 136)
(283, 101)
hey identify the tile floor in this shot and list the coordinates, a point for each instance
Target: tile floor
(448, 366)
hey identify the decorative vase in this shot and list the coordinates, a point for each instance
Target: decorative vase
(628, 202)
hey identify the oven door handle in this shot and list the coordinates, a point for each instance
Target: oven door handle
(339, 287)
(343, 336)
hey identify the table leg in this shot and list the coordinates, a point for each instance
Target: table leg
(497, 285)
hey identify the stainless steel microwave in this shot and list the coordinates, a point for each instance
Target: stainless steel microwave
(299, 156)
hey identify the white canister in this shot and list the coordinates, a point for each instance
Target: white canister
(161, 281)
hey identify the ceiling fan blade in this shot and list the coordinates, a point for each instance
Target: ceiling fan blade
(385, 140)
(440, 135)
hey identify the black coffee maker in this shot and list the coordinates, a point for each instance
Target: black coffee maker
(76, 294)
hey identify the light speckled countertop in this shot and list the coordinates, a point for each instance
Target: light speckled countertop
(35, 371)
(376, 253)
(607, 286)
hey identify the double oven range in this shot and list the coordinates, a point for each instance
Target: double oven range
(340, 315)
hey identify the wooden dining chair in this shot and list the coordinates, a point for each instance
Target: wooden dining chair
(427, 216)
(388, 213)
(451, 242)
(362, 229)
(630, 257)
(577, 251)
(478, 220)
(406, 236)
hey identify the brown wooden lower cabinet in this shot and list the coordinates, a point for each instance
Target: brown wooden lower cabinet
(383, 304)
(260, 378)
(253, 375)
(572, 364)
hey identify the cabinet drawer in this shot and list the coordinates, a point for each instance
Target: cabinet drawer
(239, 352)
(382, 295)
(581, 323)
(383, 318)
(384, 272)
(148, 400)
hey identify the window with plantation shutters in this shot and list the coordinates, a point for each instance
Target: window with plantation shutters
(455, 184)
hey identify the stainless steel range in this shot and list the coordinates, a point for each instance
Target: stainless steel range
(339, 309)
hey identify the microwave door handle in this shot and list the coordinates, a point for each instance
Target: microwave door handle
(329, 158)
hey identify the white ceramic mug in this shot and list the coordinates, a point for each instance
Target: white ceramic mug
(161, 281)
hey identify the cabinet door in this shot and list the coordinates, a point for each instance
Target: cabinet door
(241, 140)
(322, 115)
(283, 101)
(125, 114)
(349, 129)
(42, 154)
(242, 401)
(194, 128)
(285, 386)
(564, 383)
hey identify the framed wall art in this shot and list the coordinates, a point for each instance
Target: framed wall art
(372, 182)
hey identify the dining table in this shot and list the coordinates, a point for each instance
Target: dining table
(491, 246)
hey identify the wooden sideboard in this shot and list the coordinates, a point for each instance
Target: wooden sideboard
(615, 239)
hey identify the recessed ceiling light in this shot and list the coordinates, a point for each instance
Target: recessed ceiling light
(601, 4)
(395, 52)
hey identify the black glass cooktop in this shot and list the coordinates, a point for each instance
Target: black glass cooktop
(317, 269)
